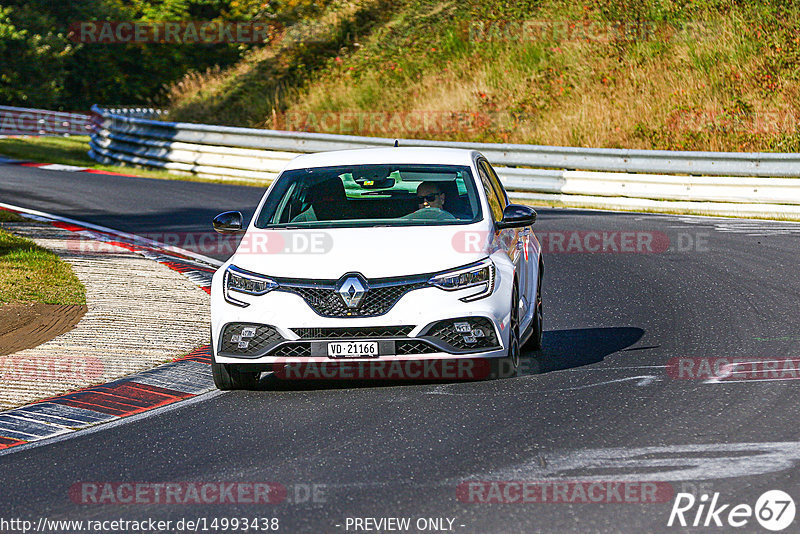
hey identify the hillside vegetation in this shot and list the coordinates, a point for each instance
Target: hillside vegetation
(42, 65)
(660, 74)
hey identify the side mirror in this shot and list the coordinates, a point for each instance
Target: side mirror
(229, 222)
(516, 216)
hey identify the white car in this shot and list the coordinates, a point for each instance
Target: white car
(376, 255)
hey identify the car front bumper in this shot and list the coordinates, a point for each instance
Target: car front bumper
(413, 319)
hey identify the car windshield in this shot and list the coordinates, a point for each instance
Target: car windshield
(372, 195)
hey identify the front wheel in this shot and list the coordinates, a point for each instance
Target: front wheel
(535, 341)
(508, 366)
(227, 377)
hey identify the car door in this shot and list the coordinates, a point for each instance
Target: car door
(509, 239)
(520, 242)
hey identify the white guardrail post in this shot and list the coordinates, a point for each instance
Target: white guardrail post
(760, 184)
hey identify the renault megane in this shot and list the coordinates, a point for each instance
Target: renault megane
(378, 255)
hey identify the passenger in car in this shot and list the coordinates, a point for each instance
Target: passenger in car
(327, 202)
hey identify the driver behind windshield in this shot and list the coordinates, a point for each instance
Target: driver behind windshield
(430, 195)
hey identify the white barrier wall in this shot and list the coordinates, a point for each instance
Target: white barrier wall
(724, 183)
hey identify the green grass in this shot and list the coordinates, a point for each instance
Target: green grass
(30, 273)
(74, 150)
(9, 216)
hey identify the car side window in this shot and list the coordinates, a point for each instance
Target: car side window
(491, 195)
(501, 193)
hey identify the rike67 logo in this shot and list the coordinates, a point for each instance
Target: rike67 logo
(774, 510)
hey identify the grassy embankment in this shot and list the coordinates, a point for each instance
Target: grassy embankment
(30, 273)
(652, 74)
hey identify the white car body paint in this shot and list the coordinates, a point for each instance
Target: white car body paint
(382, 252)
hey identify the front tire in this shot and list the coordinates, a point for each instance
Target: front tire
(535, 341)
(508, 366)
(227, 377)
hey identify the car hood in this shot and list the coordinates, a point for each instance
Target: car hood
(374, 252)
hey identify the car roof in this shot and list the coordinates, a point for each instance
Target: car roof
(394, 155)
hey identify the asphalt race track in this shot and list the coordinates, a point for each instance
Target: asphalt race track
(615, 395)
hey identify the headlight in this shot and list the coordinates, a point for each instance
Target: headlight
(479, 275)
(240, 281)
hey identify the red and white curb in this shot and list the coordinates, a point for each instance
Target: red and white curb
(166, 384)
(181, 379)
(58, 167)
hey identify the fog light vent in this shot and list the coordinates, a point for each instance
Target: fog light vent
(466, 333)
(245, 339)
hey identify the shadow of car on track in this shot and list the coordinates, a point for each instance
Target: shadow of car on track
(562, 349)
(565, 349)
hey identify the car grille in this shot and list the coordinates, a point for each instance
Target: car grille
(413, 346)
(323, 298)
(403, 347)
(446, 332)
(252, 340)
(292, 350)
(233, 342)
(358, 332)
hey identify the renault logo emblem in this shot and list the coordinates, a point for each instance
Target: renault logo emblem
(352, 290)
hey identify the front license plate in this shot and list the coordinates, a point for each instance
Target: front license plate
(353, 349)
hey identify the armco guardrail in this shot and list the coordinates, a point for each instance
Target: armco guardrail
(732, 183)
(28, 121)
